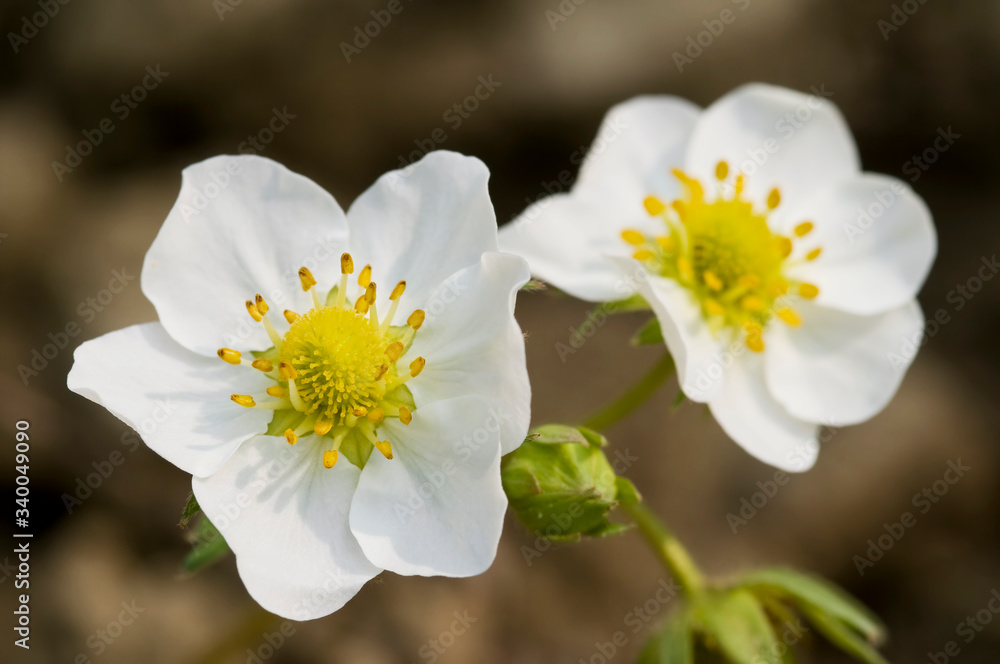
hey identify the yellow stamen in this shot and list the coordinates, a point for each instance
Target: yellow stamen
(790, 317)
(397, 292)
(261, 304)
(748, 281)
(291, 316)
(322, 427)
(287, 371)
(381, 371)
(330, 458)
(416, 319)
(773, 199)
(633, 237)
(361, 305)
(804, 228)
(306, 278)
(252, 310)
(365, 277)
(244, 400)
(346, 263)
(711, 280)
(740, 184)
(262, 364)
(784, 245)
(814, 254)
(230, 356)
(360, 411)
(755, 343)
(684, 267)
(643, 255)
(394, 350)
(721, 170)
(291, 437)
(667, 242)
(808, 291)
(370, 292)
(654, 206)
(714, 308)
(405, 416)
(385, 448)
(416, 366)
(752, 303)
(376, 415)
(277, 391)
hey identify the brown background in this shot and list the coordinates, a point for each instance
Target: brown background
(352, 122)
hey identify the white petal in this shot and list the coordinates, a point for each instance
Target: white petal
(878, 244)
(638, 144)
(565, 238)
(474, 346)
(177, 400)
(437, 507)
(838, 368)
(748, 413)
(777, 138)
(285, 517)
(240, 226)
(700, 356)
(424, 222)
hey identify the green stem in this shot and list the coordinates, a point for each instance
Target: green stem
(634, 397)
(667, 548)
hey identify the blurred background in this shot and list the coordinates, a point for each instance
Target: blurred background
(292, 80)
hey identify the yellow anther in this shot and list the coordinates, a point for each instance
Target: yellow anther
(712, 281)
(790, 316)
(385, 448)
(808, 291)
(784, 245)
(370, 293)
(416, 319)
(814, 254)
(376, 415)
(416, 366)
(291, 316)
(405, 416)
(721, 170)
(346, 263)
(322, 427)
(306, 278)
(252, 310)
(397, 292)
(752, 303)
(755, 343)
(291, 437)
(260, 304)
(394, 350)
(779, 288)
(740, 184)
(360, 411)
(287, 371)
(263, 364)
(684, 267)
(748, 281)
(680, 208)
(773, 199)
(633, 237)
(330, 458)
(714, 308)
(667, 242)
(231, 356)
(244, 400)
(362, 305)
(804, 228)
(643, 255)
(365, 277)
(654, 206)
(381, 372)
(277, 391)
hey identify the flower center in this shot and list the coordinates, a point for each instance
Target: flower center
(335, 369)
(725, 253)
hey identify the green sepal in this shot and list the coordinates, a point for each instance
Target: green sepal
(842, 636)
(735, 623)
(634, 303)
(673, 644)
(627, 493)
(207, 546)
(534, 286)
(191, 508)
(649, 334)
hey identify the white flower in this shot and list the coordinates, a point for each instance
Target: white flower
(784, 278)
(356, 443)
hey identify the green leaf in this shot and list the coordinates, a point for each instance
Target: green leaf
(191, 508)
(648, 334)
(674, 644)
(207, 546)
(809, 591)
(843, 636)
(737, 623)
(534, 286)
